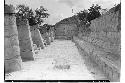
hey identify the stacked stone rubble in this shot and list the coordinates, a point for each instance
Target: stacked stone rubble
(36, 36)
(12, 59)
(25, 40)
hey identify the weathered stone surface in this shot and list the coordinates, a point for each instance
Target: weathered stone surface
(107, 22)
(11, 43)
(103, 44)
(46, 38)
(9, 9)
(109, 66)
(25, 40)
(36, 36)
(66, 28)
(52, 35)
(13, 64)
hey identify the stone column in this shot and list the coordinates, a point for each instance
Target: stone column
(46, 38)
(52, 34)
(12, 59)
(36, 36)
(26, 44)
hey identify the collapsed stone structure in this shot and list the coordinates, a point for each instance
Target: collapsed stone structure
(25, 40)
(36, 36)
(103, 44)
(12, 59)
(46, 37)
(51, 34)
(66, 28)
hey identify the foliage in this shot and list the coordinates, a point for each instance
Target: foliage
(87, 15)
(83, 16)
(45, 28)
(118, 7)
(94, 12)
(24, 12)
(40, 14)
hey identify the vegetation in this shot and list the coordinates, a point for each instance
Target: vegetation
(34, 17)
(87, 15)
(45, 28)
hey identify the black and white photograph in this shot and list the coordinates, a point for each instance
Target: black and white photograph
(62, 41)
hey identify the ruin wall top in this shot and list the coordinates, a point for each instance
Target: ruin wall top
(9, 9)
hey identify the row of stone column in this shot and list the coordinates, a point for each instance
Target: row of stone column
(19, 38)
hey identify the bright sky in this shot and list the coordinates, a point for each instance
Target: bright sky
(60, 9)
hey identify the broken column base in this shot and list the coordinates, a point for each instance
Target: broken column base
(13, 64)
(27, 55)
(46, 38)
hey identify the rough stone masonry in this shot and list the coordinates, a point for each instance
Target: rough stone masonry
(25, 40)
(12, 59)
(103, 44)
(36, 36)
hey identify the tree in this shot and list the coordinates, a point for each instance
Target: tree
(40, 14)
(86, 16)
(24, 12)
(94, 12)
(82, 15)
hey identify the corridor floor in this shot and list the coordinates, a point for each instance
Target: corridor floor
(58, 61)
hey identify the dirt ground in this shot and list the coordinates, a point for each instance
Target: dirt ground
(59, 61)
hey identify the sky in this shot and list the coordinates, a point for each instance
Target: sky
(60, 9)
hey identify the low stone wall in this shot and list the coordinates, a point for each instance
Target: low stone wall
(109, 63)
(25, 40)
(12, 59)
(36, 36)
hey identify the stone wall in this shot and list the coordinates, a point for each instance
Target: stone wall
(66, 28)
(108, 22)
(25, 40)
(12, 59)
(36, 36)
(110, 65)
(103, 44)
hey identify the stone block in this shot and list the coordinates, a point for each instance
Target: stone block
(14, 64)
(27, 55)
(12, 60)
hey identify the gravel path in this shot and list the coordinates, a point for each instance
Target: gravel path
(58, 61)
